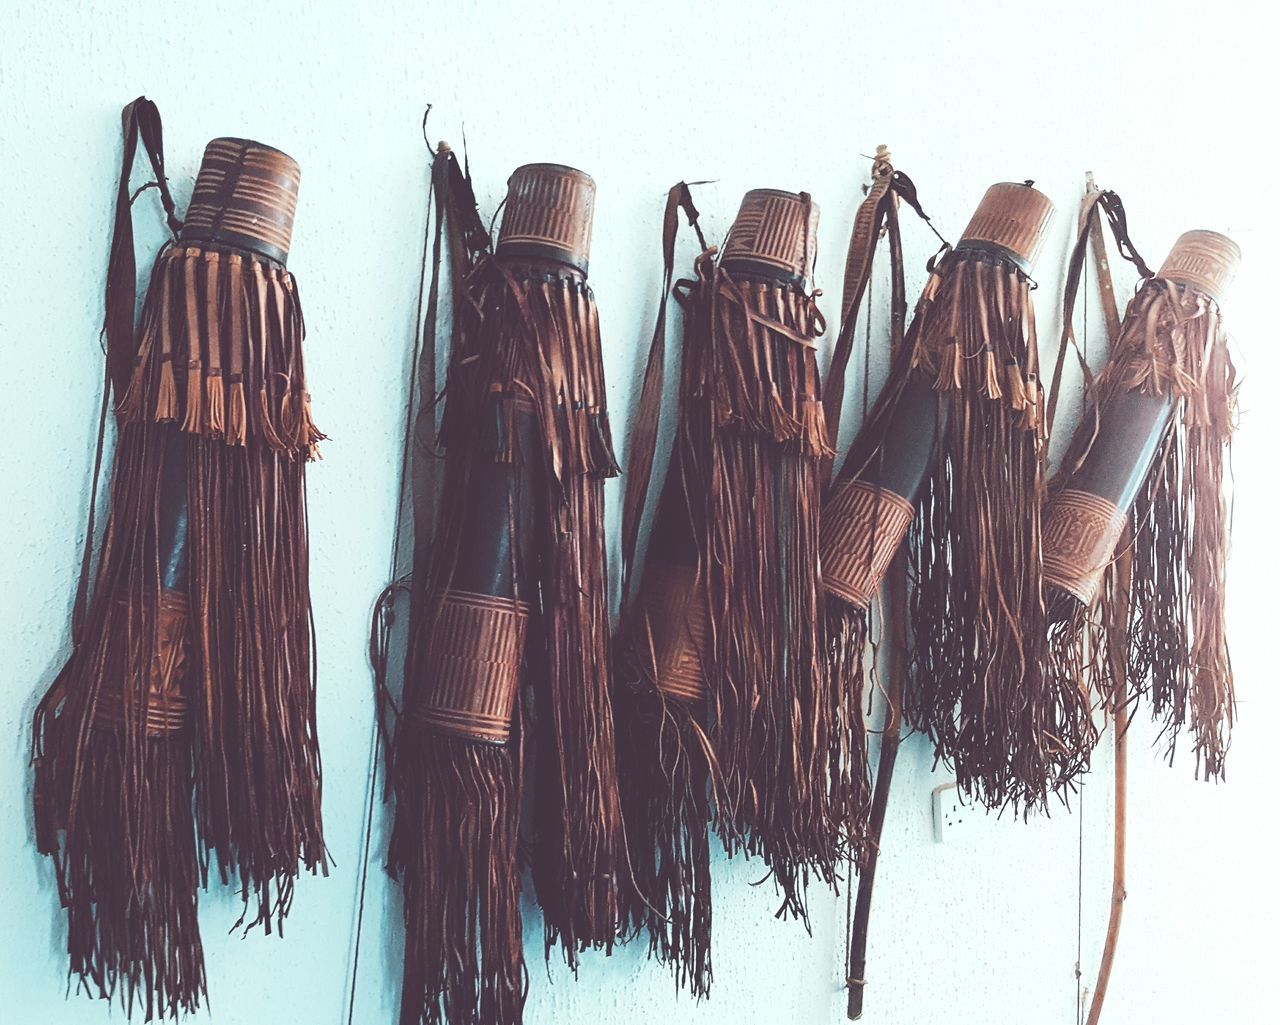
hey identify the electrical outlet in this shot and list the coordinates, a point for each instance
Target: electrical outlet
(950, 812)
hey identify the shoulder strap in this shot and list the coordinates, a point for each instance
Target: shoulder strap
(140, 119)
(644, 433)
(1089, 232)
(877, 215)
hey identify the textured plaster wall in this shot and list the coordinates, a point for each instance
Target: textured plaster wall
(1168, 103)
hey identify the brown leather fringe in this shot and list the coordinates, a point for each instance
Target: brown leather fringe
(454, 848)
(258, 756)
(1173, 343)
(665, 763)
(538, 335)
(1013, 732)
(212, 312)
(754, 428)
(113, 767)
(258, 759)
(118, 790)
(846, 636)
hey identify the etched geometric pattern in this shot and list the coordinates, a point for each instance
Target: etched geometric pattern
(1013, 216)
(472, 670)
(166, 701)
(770, 228)
(1080, 535)
(1203, 260)
(675, 614)
(246, 190)
(549, 206)
(862, 526)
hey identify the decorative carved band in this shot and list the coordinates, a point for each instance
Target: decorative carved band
(779, 229)
(167, 710)
(862, 526)
(1013, 217)
(1080, 535)
(674, 630)
(471, 671)
(549, 207)
(245, 196)
(1203, 260)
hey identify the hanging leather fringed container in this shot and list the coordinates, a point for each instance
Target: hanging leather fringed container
(868, 508)
(1150, 455)
(722, 677)
(665, 761)
(756, 438)
(1013, 732)
(512, 589)
(192, 655)
(865, 517)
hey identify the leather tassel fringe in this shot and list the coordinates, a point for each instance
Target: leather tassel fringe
(454, 849)
(755, 430)
(1013, 731)
(258, 760)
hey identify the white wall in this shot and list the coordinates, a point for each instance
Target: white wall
(1172, 107)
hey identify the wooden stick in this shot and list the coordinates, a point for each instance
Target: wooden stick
(889, 741)
(1119, 692)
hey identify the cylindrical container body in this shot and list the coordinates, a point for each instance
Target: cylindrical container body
(245, 197)
(775, 235)
(869, 508)
(479, 625)
(773, 238)
(548, 215)
(1086, 517)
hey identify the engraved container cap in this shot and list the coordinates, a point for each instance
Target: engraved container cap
(548, 214)
(775, 233)
(1013, 218)
(1203, 260)
(245, 197)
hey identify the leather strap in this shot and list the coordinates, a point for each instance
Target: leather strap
(1089, 231)
(877, 215)
(139, 119)
(644, 433)
(867, 226)
(1102, 270)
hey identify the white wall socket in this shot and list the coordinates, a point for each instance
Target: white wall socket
(950, 812)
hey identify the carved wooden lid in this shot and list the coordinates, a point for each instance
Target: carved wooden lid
(245, 197)
(1204, 260)
(548, 214)
(775, 233)
(1013, 218)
